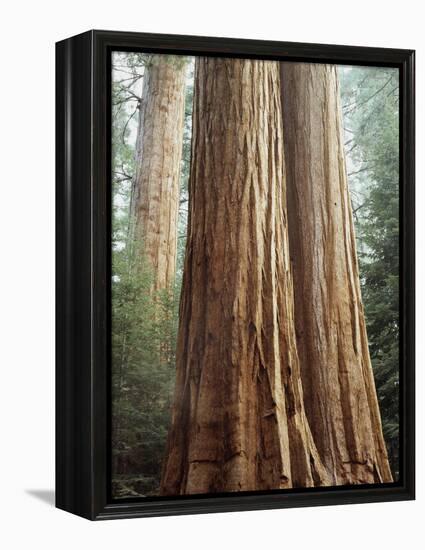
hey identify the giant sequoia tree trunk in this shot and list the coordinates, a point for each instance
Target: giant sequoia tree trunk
(238, 420)
(339, 390)
(158, 156)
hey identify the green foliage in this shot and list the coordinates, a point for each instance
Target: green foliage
(371, 111)
(143, 344)
(144, 322)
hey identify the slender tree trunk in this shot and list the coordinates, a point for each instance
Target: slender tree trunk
(238, 420)
(158, 156)
(339, 389)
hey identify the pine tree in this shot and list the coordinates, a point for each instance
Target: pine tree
(144, 306)
(371, 114)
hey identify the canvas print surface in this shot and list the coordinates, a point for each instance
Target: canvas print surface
(255, 275)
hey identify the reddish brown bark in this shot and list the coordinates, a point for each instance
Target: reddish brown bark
(339, 390)
(238, 419)
(158, 156)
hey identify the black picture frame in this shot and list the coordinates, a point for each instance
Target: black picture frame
(83, 214)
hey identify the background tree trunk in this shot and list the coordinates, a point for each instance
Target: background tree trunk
(339, 389)
(158, 155)
(238, 420)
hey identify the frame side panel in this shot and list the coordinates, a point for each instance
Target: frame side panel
(73, 276)
(407, 272)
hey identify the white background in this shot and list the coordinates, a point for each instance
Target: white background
(28, 33)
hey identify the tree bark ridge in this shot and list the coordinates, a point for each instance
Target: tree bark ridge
(238, 420)
(158, 159)
(339, 389)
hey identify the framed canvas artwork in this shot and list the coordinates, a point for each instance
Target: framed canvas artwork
(235, 274)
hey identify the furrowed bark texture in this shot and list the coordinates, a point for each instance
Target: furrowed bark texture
(158, 157)
(339, 390)
(238, 420)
